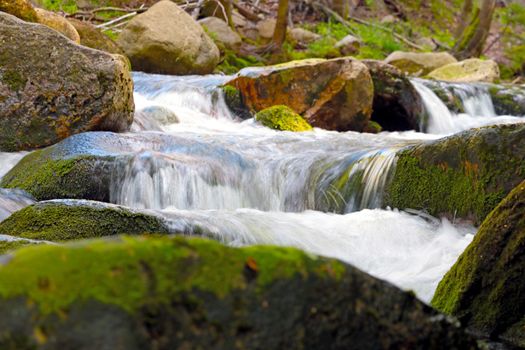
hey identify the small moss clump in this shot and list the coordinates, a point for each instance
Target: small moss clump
(282, 118)
(7, 246)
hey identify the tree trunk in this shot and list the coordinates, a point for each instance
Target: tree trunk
(466, 12)
(279, 35)
(474, 36)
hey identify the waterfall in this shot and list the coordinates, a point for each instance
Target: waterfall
(13, 200)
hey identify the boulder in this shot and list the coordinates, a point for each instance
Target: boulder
(58, 23)
(332, 94)
(63, 220)
(463, 176)
(94, 38)
(349, 45)
(508, 99)
(266, 28)
(282, 118)
(153, 118)
(19, 8)
(397, 105)
(419, 63)
(485, 287)
(221, 33)
(468, 71)
(51, 88)
(166, 40)
(176, 293)
(301, 35)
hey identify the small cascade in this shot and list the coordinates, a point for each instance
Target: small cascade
(13, 200)
(458, 106)
(8, 161)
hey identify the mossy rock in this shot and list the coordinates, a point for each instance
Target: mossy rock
(462, 176)
(234, 101)
(62, 220)
(508, 99)
(94, 38)
(58, 23)
(19, 8)
(485, 287)
(174, 293)
(9, 246)
(419, 63)
(468, 71)
(282, 118)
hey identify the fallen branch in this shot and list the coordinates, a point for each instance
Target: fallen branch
(246, 13)
(116, 20)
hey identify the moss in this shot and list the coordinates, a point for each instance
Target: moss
(282, 118)
(373, 127)
(7, 246)
(67, 273)
(19, 8)
(462, 176)
(14, 80)
(61, 221)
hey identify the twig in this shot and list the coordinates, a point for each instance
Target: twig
(121, 18)
(246, 13)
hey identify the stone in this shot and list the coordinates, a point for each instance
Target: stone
(388, 19)
(332, 94)
(302, 35)
(485, 287)
(51, 88)
(174, 293)
(416, 63)
(349, 45)
(266, 28)
(19, 8)
(472, 70)
(282, 118)
(166, 40)
(92, 37)
(221, 33)
(58, 23)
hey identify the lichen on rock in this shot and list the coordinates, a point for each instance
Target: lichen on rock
(282, 118)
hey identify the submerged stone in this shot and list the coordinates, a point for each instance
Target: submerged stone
(485, 287)
(172, 293)
(462, 176)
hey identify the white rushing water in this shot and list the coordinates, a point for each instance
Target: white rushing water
(242, 183)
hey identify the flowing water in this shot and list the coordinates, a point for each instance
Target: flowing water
(209, 173)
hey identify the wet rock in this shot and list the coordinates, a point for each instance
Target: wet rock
(302, 35)
(94, 38)
(63, 220)
(166, 40)
(282, 118)
(485, 287)
(51, 88)
(461, 176)
(19, 8)
(468, 71)
(331, 94)
(397, 105)
(221, 32)
(153, 118)
(508, 99)
(172, 293)
(58, 23)
(419, 63)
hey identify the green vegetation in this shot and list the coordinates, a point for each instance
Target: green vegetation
(282, 118)
(8, 246)
(512, 20)
(68, 6)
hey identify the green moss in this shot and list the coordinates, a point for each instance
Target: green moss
(124, 270)
(7, 246)
(373, 127)
(19, 8)
(14, 80)
(232, 62)
(68, 6)
(61, 221)
(282, 118)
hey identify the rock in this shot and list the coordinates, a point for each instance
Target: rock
(176, 293)
(427, 43)
(373, 127)
(11, 245)
(397, 105)
(282, 118)
(468, 71)
(238, 19)
(302, 35)
(349, 45)
(508, 99)
(419, 63)
(94, 38)
(485, 287)
(152, 118)
(221, 32)
(462, 176)
(19, 8)
(63, 220)
(388, 19)
(166, 40)
(58, 23)
(51, 88)
(234, 100)
(331, 94)
(266, 28)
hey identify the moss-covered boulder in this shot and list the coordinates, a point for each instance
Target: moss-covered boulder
(166, 40)
(462, 176)
(397, 105)
(508, 99)
(235, 103)
(331, 94)
(468, 71)
(58, 23)
(282, 118)
(485, 287)
(94, 38)
(175, 293)
(419, 63)
(51, 88)
(7, 246)
(19, 8)
(62, 220)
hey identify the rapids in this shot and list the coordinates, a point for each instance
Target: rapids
(189, 159)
